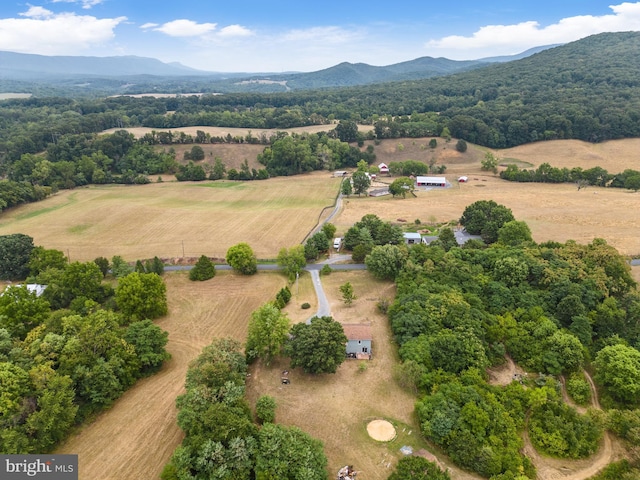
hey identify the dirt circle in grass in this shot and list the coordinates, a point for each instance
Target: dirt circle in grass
(381, 430)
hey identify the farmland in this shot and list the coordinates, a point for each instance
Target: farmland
(163, 218)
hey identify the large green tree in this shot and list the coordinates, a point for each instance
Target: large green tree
(292, 261)
(317, 346)
(204, 269)
(15, 253)
(386, 261)
(242, 259)
(618, 370)
(361, 182)
(485, 217)
(142, 296)
(401, 186)
(21, 310)
(418, 468)
(268, 330)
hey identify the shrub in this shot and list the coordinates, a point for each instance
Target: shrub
(305, 306)
(578, 389)
(283, 297)
(204, 269)
(461, 146)
(325, 270)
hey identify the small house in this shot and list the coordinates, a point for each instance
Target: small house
(384, 168)
(412, 238)
(431, 181)
(359, 340)
(463, 179)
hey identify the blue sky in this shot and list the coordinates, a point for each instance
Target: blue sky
(276, 36)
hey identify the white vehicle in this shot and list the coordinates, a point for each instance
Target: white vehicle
(337, 243)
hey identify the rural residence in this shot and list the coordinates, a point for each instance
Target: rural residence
(412, 238)
(359, 340)
(384, 168)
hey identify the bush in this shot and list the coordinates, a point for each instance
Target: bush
(305, 306)
(283, 297)
(461, 146)
(579, 389)
(204, 269)
(325, 270)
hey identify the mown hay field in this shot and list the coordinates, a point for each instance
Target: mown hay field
(176, 219)
(135, 438)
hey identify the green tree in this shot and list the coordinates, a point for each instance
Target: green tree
(204, 269)
(446, 239)
(418, 468)
(288, 453)
(42, 258)
(346, 188)
(268, 330)
(21, 310)
(489, 163)
(461, 146)
(103, 265)
(632, 182)
(318, 346)
(141, 296)
(218, 171)
(348, 296)
(514, 233)
(266, 409)
(15, 253)
(149, 342)
(196, 153)
(401, 186)
(485, 217)
(329, 230)
(242, 259)
(119, 267)
(433, 143)
(618, 370)
(386, 261)
(292, 261)
(361, 182)
(347, 131)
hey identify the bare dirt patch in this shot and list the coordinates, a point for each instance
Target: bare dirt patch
(136, 437)
(381, 430)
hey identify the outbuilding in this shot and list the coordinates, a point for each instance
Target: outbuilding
(384, 168)
(431, 181)
(412, 238)
(359, 340)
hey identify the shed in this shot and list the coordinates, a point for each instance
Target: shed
(411, 238)
(383, 167)
(359, 340)
(431, 181)
(463, 179)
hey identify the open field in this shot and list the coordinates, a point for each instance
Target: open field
(136, 437)
(553, 212)
(164, 218)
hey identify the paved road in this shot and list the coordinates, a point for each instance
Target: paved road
(635, 262)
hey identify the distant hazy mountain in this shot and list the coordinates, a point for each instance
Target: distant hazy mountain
(349, 74)
(21, 65)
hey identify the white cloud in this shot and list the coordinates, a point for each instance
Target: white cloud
(186, 28)
(235, 31)
(510, 39)
(55, 34)
(36, 12)
(86, 4)
(149, 25)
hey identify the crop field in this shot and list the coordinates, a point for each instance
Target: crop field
(136, 437)
(176, 219)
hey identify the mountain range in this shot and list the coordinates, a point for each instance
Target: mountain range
(62, 69)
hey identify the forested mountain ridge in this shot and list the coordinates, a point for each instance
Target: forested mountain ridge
(78, 75)
(585, 90)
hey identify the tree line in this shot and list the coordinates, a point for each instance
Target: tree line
(72, 349)
(555, 308)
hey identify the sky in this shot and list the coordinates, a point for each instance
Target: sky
(281, 36)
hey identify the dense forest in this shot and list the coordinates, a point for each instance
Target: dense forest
(586, 90)
(556, 309)
(71, 347)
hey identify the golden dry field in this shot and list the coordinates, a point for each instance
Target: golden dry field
(135, 438)
(336, 408)
(158, 219)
